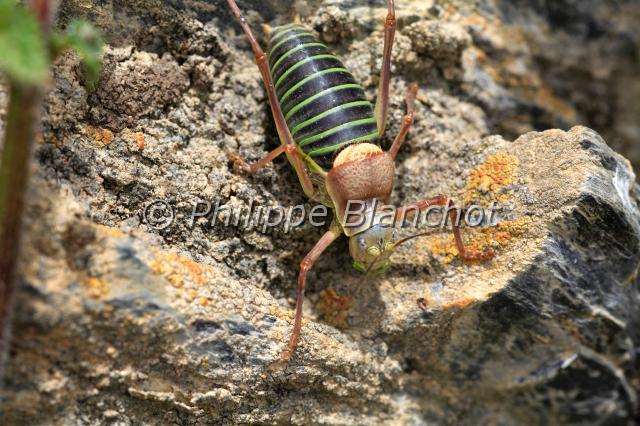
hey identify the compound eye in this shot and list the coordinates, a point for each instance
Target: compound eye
(362, 243)
(394, 235)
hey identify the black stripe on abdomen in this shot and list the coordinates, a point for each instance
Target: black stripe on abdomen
(309, 66)
(325, 108)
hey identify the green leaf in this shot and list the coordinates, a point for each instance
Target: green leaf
(85, 39)
(23, 55)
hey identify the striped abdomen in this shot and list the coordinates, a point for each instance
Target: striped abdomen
(325, 108)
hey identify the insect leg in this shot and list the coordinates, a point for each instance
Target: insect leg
(406, 122)
(382, 102)
(254, 167)
(281, 125)
(306, 264)
(454, 215)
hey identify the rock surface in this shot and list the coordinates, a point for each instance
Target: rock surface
(119, 321)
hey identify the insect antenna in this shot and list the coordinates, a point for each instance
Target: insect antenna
(410, 237)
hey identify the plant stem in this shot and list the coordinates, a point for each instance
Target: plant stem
(22, 116)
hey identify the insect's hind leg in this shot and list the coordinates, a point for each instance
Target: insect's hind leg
(254, 167)
(382, 101)
(281, 125)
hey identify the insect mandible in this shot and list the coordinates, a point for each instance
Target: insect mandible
(331, 134)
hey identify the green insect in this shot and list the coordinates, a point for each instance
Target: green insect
(331, 135)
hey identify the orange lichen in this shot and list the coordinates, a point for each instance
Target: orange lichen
(176, 268)
(95, 287)
(104, 135)
(335, 309)
(176, 280)
(139, 138)
(459, 303)
(108, 231)
(488, 179)
(193, 294)
(493, 238)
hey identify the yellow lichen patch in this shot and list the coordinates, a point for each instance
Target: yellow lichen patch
(287, 315)
(443, 248)
(545, 95)
(529, 85)
(510, 69)
(176, 280)
(487, 180)
(108, 231)
(192, 295)
(95, 287)
(283, 314)
(459, 303)
(204, 361)
(334, 308)
(178, 268)
(494, 238)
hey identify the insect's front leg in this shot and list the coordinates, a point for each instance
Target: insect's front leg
(467, 255)
(306, 264)
(278, 116)
(406, 121)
